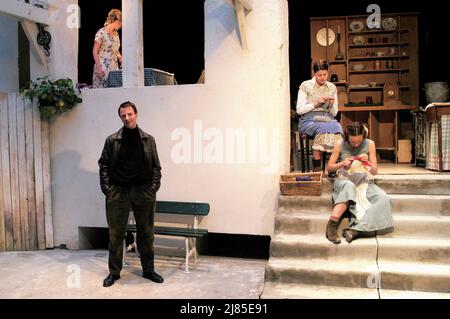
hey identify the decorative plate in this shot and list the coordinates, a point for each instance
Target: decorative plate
(322, 36)
(356, 26)
(389, 24)
(359, 40)
(358, 67)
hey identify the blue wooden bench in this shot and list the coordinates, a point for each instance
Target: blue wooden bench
(190, 233)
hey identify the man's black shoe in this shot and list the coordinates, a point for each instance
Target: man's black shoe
(109, 281)
(153, 276)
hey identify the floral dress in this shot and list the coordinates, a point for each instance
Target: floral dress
(319, 122)
(108, 56)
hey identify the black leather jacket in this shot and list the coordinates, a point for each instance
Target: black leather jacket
(110, 155)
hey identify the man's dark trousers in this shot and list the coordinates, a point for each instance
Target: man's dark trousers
(119, 202)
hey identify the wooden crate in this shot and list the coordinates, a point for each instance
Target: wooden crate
(404, 151)
(289, 185)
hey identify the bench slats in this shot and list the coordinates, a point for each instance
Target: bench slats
(174, 231)
(167, 207)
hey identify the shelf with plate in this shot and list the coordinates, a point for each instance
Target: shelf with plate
(340, 83)
(377, 71)
(373, 88)
(364, 107)
(377, 45)
(370, 60)
(377, 31)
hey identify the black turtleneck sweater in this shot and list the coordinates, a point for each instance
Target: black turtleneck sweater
(130, 169)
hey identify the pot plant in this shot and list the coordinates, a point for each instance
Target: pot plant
(54, 97)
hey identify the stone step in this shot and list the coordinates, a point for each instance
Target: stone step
(407, 294)
(435, 251)
(406, 226)
(414, 184)
(420, 226)
(297, 291)
(405, 184)
(274, 290)
(420, 251)
(317, 246)
(435, 205)
(414, 276)
(304, 224)
(341, 272)
(345, 272)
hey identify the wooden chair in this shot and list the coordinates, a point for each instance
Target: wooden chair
(306, 153)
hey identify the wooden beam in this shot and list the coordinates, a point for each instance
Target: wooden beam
(31, 192)
(48, 210)
(22, 10)
(31, 31)
(14, 170)
(22, 172)
(240, 14)
(3, 187)
(38, 178)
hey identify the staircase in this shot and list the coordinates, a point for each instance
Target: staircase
(411, 262)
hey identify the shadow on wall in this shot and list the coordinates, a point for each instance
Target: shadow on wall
(78, 200)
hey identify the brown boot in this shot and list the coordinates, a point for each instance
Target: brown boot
(331, 232)
(350, 234)
(317, 165)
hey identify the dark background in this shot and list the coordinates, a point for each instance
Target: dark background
(173, 36)
(434, 61)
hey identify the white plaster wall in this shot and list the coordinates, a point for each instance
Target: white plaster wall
(244, 89)
(9, 57)
(63, 61)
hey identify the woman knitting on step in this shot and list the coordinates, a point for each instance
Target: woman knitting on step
(355, 161)
(317, 106)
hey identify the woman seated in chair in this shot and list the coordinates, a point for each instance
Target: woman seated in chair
(317, 106)
(355, 161)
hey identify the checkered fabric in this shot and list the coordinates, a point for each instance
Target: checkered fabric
(433, 150)
(151, 77)
(445, 126)
(115, 79)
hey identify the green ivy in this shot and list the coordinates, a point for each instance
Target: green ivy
(54, 97)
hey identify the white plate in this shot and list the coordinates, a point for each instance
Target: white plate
(356, 26)
(389, 24)
(321, 36)
(359, 40)
(358, 67)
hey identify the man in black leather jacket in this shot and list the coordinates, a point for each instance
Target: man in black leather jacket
(130, 175)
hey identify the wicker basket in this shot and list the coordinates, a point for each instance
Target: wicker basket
(289, 185)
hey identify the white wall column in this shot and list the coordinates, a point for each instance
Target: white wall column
(64, 45)
(132, 43)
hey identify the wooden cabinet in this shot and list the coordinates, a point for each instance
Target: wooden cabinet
(364, 60)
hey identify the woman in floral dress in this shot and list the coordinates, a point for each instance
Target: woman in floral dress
(317, 106)
(106, 49)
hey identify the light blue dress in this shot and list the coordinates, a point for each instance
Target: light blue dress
(379, 215)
